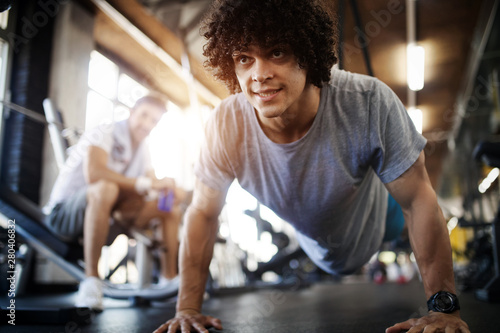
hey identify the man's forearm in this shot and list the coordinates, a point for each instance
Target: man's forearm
(431, 245)
(195, 256)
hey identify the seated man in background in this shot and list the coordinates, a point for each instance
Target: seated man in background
(322, 150)
(109, 174)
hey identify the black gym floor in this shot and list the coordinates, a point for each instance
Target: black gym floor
(322, 307)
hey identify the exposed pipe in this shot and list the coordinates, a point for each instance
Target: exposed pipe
(364, 46)
(341, 15)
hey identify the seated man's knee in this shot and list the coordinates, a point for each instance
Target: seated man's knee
(103, 192)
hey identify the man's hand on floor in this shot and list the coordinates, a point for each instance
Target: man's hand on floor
(189, 321)
(433, 322)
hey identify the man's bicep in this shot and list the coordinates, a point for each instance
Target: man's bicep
(207, 200)
(412, 183)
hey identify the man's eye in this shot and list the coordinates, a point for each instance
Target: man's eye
(278, 54)
(243, 60)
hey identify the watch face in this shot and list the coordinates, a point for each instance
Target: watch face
(444, 302)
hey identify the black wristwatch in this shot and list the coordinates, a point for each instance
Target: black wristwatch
(443, 301)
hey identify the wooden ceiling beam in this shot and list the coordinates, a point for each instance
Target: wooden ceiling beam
(162, 43)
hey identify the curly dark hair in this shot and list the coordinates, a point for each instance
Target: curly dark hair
(233, 25)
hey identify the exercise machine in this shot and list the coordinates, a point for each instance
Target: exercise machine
(489, 154)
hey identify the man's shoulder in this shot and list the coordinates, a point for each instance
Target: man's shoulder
(234, 103)
(344, 81)
(232, 109)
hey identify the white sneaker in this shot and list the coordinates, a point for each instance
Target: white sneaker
(90, 294)
(168, 284)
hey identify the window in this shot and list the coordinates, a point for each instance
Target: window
(129, 90)
(4, 53)
(111, 92)
(103, 75)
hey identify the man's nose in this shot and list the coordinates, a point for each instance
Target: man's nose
(148, 126)
(262, 71)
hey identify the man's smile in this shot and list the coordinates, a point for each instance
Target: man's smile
(267, 95)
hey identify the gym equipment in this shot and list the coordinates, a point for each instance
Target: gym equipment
(55, 126)
(280, 239)
(231, 271)
(290, 263)
(489, 153)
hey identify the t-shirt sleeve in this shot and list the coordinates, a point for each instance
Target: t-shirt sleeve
(213, 167)
(395, 144)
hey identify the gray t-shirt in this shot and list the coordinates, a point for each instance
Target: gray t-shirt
(326, 183)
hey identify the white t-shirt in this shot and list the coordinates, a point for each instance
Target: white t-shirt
(116, 141)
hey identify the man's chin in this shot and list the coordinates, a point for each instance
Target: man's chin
(271, 115)
(268, 112)
(139, 138)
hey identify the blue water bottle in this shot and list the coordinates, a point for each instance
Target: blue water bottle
(166, 200)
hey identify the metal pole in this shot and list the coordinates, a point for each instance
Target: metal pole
(364, 46)
(341, 15)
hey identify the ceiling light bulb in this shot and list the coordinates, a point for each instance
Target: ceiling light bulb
(415, 66)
